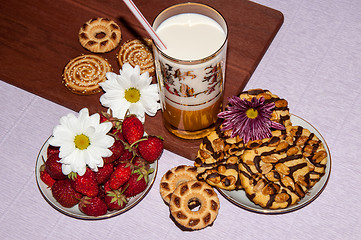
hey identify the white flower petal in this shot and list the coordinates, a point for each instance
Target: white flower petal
(77, 160)
(66, 169)
(66, 149)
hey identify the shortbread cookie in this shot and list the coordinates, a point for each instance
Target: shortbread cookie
(270, 177)
(100, 35)
(217, 160)
(137, 52)
(172, 178)
(312, 149)
(277, 173)
(280, 113)
(83, 74)
(185, 200)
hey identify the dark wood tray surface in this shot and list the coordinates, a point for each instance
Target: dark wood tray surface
(38, 38)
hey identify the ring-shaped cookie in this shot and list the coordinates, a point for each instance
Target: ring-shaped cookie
(137, 52)
(100, 35)
(83, 74)
(187, 197)
(173, 177)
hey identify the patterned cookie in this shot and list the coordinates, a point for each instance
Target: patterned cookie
(217, 160)
(83, 74)
(281, 170)
(311, 148)
(172, 178)
(185, 200)
(280, 113)
(137, 52)
(100, 35)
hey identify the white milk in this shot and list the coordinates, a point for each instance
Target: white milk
(191, 36)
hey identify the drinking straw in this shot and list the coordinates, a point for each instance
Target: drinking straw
(145, 23)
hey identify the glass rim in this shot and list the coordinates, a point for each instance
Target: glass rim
(173, 59)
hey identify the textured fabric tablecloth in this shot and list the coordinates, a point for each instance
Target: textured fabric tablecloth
(314, 62)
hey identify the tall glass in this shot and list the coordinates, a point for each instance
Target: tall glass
(191, 71)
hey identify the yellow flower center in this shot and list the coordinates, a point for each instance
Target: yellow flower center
(81, 141)
(252, 113)
(132, 95)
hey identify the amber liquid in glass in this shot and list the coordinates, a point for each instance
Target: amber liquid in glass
(191, 124)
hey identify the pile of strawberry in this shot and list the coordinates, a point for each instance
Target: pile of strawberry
(124, 174)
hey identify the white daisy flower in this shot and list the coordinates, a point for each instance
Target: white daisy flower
(83, 141)
(130, 91)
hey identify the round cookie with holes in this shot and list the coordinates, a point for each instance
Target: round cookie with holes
(100, 35)
(173, 177)
(194, 205)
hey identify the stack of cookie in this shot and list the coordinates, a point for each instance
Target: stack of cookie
(275, 172)
(193, 204)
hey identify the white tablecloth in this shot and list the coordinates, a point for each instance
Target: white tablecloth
(314, 62)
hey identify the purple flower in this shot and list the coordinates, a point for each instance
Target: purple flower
(249, 119)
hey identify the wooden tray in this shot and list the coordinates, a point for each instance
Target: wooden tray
(39, 37)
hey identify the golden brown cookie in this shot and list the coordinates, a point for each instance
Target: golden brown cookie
(217, 160)
(280, 113)
(277, 173)
(269, 176)
(137, 52)
(312, 149)
(189, 196)
(173, 177)
(83, 74)
(100, 35)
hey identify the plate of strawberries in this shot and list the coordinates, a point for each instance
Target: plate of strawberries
(121, 183)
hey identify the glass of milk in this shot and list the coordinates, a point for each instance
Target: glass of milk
(191, 71)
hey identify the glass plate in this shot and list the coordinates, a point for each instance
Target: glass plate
(74, 211)
(240, 199)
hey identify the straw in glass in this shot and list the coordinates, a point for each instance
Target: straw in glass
(133, 8)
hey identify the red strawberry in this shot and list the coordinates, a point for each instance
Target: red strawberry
(117, 133)
(117, 148)
(104, 117)
(116, 122)
(52, 150)
(132, 129)
(151, 149)
(92, 206)
(65, 194)
(53, 167)
(126, 156)
(104, 173)
(85, 184)
(120, 175)
(115, 200)
(136, 184)
(45, 177)
(107, 187)
(141, 163)
(101, 193)
(142, 167)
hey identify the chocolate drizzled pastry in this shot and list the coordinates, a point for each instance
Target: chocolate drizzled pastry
(275, 172)
(280, 172)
